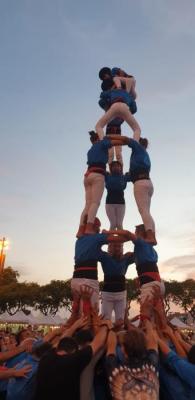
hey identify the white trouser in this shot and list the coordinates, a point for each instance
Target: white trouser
(115, 213)
(118, 154)
(143, 191)
(76, 284)
(148, 293)
(120, 110)
(114, 301)
(94, 188)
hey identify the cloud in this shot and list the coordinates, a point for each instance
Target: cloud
(174, 17)
(180, 264)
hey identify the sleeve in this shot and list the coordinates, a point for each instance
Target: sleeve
(153, 358)
(134, 145)
(106, 143)
(127, 177)
(130, 258)
(103, 238)
(182, 367)
(83, 358)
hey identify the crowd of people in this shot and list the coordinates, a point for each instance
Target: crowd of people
(93, 356)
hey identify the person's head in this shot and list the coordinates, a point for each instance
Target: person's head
(105, 73)
(22, 335)
(39, 350)
(115, 249)
(143, 142)
(83, 337)
(140, 231)
(97, 225)
(116, 167)
(191, 355)
(134, 344)
(107, 84)
(68, 345)
(93, 137)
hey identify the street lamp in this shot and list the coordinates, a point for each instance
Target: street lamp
(3, 246)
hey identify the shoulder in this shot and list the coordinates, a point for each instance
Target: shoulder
(134, 144)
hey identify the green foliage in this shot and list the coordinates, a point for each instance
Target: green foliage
(16, 296)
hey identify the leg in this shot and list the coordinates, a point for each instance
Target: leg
(97, 189)
(118, 110)
(131, 121)
(120, 213)
(110, 155)
(118, 152)
(107, 305)
(120, 305)
(75, 290)
(143, 191)
(88, 196)
(110, 211)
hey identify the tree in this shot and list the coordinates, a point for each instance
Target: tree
(55, 295)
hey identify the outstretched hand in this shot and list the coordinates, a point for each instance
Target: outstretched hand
(86, 292)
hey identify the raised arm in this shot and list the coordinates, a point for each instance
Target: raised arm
(120, 235)
(151, 336)
(15, 373)
(12, 353)
(111, 343)
(100, 339)
(179, 349)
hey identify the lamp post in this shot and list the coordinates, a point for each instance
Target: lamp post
(3, 246)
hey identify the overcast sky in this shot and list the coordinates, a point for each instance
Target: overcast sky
(51, 52)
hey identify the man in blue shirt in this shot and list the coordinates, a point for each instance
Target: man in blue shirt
(116, 183)
(94, 180)
(87, 254)
(114, 294)
(151, 286)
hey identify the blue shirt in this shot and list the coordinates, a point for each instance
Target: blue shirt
(144, 252)
(113, 266)
(23, 388)
(139, 160)
(98, 153)
(15, 360)
(171, 386)
(184, 370)
(108, 97)
(88, 247)
(115, 185)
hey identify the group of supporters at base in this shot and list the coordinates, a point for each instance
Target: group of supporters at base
(90, 359)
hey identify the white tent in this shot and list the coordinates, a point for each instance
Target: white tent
(177, 322)
(31, 319)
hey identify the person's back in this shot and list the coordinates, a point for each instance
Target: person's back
(59, 373)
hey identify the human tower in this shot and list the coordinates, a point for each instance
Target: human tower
(118, 99)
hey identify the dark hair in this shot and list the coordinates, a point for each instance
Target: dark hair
(83, 337)
(143, 142)
(19, 336)
(68, 344)
(191, 355)
(107, 84)
(43, 348)
(93, 136)
(135, 343)
(103, 71)
(113, 163)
